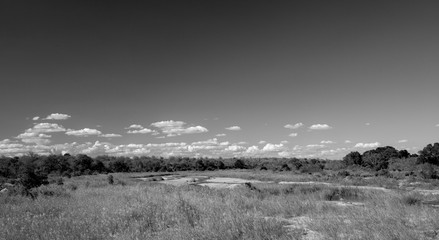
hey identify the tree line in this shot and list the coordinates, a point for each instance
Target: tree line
(32, 170)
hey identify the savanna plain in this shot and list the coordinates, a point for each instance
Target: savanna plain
(244, 204)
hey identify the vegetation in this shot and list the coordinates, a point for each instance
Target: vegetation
(75, 197)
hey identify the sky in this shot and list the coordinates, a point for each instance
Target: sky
(314, 79)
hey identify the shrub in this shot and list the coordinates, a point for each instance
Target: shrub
(110, 179)
(343, 173)
(50, 191)
(412, 199)
(60, 181)
(336, 194)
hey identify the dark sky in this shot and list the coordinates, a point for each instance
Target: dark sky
(256, 64)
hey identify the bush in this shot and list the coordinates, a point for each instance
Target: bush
(427, 171)
(412, 199)
(343, 173)
(336, 194)
(110, 179)
(50, 191)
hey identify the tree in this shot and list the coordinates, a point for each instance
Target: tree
(379, 158)
(430, 154)
(239, 164)
(199, 165)
(82, 162)
(403, 154)
(353, 158)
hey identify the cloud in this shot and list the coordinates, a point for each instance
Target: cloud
(58, 116)
(110, 135)
(234, 128)
(141, 131)
(295, 126)
(315, 146)
(176, 128)
(47, 127)
(134, 126)
(320, 127)
(36, 133)
(437, 125)
(262, 142)
(327, 142)
(34, 137)
(234, 148)
(35, 118)
(367, 124)
(252, 150)
(367, 145)
(403, 141)
(347, 141)
(220, 135)
(293, 135)
(272, 147)
(83, 132)
(168, 124)
(284, 142)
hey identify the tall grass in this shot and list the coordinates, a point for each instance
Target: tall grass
(95, 209)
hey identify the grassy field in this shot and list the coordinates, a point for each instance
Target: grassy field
(88, 207)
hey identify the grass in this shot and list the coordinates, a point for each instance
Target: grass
(87, 207)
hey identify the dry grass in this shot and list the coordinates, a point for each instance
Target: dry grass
(150, 210)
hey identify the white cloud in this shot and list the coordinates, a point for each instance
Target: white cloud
(320, 127)
(83, 132)
(34, 137)
(295, 126)
(141, 131)
(272, 147)
(437, 125)
(347, 141)
(252, 150)
(262, 142)
(110, 135)
(58, 116)
(284, 142)
(168, 124)
(35, 118)
(220, 135)
(284, 154)
(315, 146)
(234, 128)
(47, 127)
(293, 135)
(367, 124)
(196, 129)
(134, 126)
(403, 141)
(332, 152)
(36, 133)
(327, 142)
(234, 148)
(367, 145)
(175, 128)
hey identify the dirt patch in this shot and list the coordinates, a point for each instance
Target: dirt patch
(338, 185)
(299, 225)
(219, 185)
(226, 180)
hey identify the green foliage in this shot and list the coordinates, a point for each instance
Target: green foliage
(379, 158)
(428, 171)
(353, 158)
(239, 164)
(110, 179)
(430, 154)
